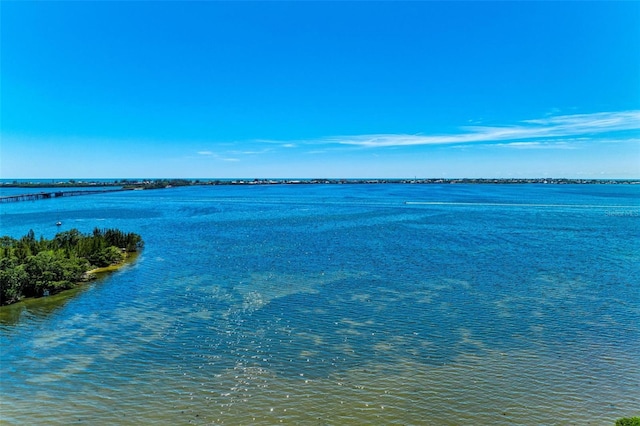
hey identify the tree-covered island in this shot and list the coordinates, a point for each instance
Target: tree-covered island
(31, 267)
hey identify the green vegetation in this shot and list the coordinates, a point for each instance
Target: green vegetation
(628, 421)
(32, 268)
(156, 184)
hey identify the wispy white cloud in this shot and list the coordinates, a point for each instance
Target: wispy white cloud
(621, 120)
(548, 127)
(232, 155)
(249, 152)
(562, 132)
(635, 141)
(537, 145)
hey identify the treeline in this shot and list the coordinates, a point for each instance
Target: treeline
(72, 183)
(155, 184)
(31, 267)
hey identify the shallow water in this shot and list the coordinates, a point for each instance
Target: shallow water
(338, 304)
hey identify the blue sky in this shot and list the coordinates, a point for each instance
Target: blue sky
(320, 89)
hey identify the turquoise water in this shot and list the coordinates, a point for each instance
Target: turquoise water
(338, 304)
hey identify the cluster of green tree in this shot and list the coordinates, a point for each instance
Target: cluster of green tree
(155, 184)
(628, 421)
(31, 267)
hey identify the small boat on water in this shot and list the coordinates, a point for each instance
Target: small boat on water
(58, 223)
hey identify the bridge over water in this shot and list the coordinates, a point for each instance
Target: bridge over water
(54, 194)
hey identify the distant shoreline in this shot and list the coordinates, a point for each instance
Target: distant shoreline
(168, 183)
(55, 189)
